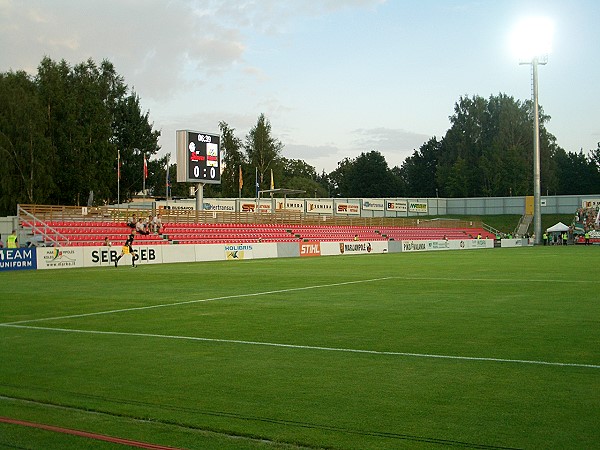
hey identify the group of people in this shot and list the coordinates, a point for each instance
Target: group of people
(152, 224)
(556, 238)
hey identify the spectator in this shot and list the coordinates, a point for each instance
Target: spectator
(140, 228)
(149, 223)
(107, 243)
(132, 222)
(157, 224)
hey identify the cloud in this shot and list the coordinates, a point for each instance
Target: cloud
(394, 144)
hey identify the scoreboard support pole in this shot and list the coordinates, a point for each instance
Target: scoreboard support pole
(200, 197)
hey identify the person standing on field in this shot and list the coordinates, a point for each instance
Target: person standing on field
(128, 249)
(11, 240)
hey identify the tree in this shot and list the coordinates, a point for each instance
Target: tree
(134, 136)
(297, 174)
(488, 150)
(262, 149)
(26, 154)
(368, 175)
(233, 159)
(577, 173)
(418, 171)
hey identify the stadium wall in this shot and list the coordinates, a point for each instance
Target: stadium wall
(385, 207)
(78, 257)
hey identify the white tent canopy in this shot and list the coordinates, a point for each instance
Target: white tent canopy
(558, 228)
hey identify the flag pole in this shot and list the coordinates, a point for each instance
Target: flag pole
(256, 178)
(118, 176)
(145, 175)
(240, 182)
(168, 181)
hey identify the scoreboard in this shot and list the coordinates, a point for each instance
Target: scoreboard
(198, 157)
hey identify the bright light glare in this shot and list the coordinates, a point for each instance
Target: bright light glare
(532, 38)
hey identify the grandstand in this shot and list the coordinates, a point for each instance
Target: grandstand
(67, 226)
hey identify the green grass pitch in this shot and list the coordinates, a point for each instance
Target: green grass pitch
(475, 349)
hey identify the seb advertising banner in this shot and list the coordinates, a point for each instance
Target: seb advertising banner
(18, 259)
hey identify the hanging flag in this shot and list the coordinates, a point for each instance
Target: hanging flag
(118, 164)
(145, 167)
(241, 178)
(272, 181)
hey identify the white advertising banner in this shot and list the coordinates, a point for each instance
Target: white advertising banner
(176, 205)
(237, 252)
(106, 256)
(512, 243)
(319, 207)
(209, 252)
(471, 244)
(290, 204)
(178, 253)
(420, 207)
(396, 205)
(415, 246)
(212, 204)
(266, 250)
(59, 257)
(373, 204)
(427, 245)
(590, 203)
(347, 208)
(264, 206)
(353, 248)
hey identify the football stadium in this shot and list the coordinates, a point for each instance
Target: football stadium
(256, 330)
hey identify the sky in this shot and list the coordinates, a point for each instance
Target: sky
(335, 78)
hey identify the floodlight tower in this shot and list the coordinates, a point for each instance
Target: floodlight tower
(532, 41)
(537, 200)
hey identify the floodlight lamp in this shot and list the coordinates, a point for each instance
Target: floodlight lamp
(532, 39)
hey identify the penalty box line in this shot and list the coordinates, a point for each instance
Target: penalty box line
(307, 347)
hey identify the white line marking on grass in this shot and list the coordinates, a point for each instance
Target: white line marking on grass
(189, 302)
(303, 288)
(305, 347)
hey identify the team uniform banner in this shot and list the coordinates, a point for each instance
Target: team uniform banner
(18, 259)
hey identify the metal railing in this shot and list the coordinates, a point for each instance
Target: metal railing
(41, 228)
